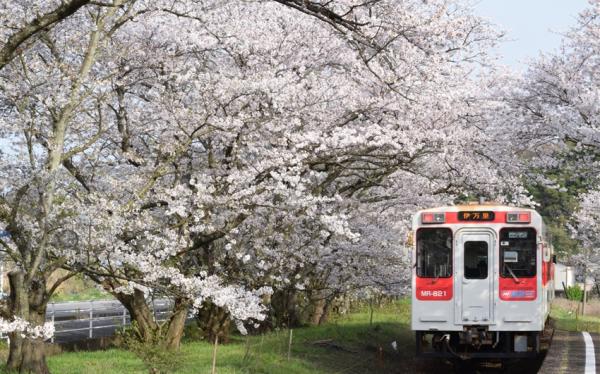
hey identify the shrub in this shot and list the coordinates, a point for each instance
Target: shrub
(574, 293)
(157, 359)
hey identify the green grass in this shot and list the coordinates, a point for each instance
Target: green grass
(567, 318)
(350, 345)
(101, 362)
(346, 345)
(81, 295)
(77, 288)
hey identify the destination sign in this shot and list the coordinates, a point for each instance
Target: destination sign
(476, 216)
(517, 234)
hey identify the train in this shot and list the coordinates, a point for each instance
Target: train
(482, 281)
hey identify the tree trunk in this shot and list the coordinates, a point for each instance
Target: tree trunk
(284, 309)
(318, 309)
(19, 306)
(27, 355)
(176, 324)
(140, 313)
(326, 311)
(147, 328)
(15, 351)
(214, 322)
(34, 356)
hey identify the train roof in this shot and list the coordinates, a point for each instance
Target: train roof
(475, 207)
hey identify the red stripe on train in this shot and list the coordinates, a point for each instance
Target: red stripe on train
(434, 289)
(525, 289)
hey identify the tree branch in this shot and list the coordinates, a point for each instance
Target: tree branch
(11, 48)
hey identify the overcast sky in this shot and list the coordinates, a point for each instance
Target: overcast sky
(532, 25)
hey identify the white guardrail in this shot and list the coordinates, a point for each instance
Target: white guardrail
(80, 321)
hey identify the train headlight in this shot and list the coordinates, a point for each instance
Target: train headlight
(518, 217)
(433, 218)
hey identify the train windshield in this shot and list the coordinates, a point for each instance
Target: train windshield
(476, 260)
(517, 252)
(434, 253)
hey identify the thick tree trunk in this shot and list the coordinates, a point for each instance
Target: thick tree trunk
(147, 328)
(176, 324)
(318, 309)
(284, 309)
(326, 311)
(214, 322)
(27, 355)
(34, 357)
(15, 351)
(19, 306)
(140, 313)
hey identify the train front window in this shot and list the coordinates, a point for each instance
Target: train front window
(476, 260)
(434, 253)
(518, 252)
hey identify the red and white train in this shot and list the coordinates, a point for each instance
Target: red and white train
(482, 281)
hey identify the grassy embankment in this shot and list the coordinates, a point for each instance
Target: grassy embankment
(567, 315)
(348, 344)
(78, 289)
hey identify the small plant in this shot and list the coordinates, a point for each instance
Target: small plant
(574, 293)
(157, 359)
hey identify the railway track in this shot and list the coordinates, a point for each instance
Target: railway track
(517, 366)
(563, 352)
(486, 366)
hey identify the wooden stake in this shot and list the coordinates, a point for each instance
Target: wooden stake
(262, 339)
(371, 310)
(214, 358)
(247, 353)
(290, 345)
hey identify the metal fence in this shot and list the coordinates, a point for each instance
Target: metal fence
(93, 319)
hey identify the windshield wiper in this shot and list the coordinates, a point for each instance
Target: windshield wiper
(512, 274)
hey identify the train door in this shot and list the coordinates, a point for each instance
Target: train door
(474, 279)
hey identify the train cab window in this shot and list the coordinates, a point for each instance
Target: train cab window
(518, 252)
(476, 260)
(434, 253)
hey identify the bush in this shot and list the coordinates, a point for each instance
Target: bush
(157, 359)
(574, 293)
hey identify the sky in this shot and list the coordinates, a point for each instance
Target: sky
(531, 25)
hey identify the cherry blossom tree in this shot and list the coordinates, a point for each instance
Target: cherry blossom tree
(24, 20)
(47, 94)
(549, 117)
(214, 153)
(555, 101)
(587, 231)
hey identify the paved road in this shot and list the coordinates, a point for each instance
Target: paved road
(72, 319)
(573, 352)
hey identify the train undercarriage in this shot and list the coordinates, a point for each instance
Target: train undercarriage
(476, 342)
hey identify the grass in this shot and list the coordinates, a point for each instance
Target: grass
(105, 362)
(567, 316)
(348, 344)
(78, 288)
(85, 295)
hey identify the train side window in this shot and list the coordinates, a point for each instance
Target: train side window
(434, 253)
(518, 252)
(476, 260)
